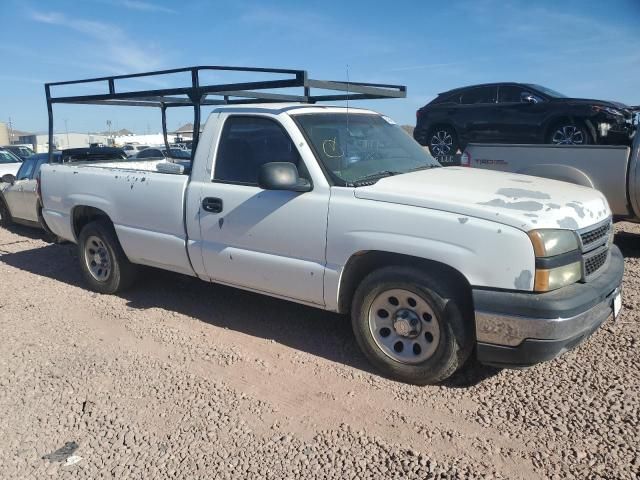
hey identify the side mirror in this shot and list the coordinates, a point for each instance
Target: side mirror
(8, 178)
(526, 97)
(282, 176)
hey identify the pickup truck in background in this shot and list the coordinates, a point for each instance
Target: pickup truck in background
(340, 209)
(614, 170)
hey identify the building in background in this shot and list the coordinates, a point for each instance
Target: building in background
(4, 134)
(61, 141)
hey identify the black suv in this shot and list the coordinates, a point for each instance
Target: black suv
(518, 113)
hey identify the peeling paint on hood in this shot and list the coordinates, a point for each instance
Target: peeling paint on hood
(495, 196)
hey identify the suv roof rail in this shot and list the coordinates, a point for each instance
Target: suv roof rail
(196, 95)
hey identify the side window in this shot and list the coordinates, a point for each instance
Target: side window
(510, 94)
(249, 142)
(26, 169)
(479, 95)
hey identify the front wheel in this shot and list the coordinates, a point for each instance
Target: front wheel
(569, 133)
(5, 215)
(411, 326)
(443, 141)
(104, 264)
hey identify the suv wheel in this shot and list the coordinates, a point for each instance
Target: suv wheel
(569, 133)
(411, 325)
(442, 141)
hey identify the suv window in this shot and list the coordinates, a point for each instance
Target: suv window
(26, 170)
(514, 94)
(249, 142)
(479, 95)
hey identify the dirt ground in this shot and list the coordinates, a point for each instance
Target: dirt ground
(178, 378)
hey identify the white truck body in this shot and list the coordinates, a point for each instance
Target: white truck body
(300, 246)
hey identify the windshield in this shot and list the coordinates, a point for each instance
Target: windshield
(353, 147)
(547, 91)
(8, 157)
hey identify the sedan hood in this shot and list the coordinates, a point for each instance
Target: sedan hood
(521, 201)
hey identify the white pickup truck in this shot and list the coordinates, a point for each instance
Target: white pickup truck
(340, 209)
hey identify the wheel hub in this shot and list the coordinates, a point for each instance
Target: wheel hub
(404, 325)
(407, 323)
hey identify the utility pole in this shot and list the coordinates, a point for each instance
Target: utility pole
(66, 129)
(109, 140)
(10, 132)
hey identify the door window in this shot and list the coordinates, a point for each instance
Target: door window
(513, 94)
(247, 143)
(26, 170)
(479, 95)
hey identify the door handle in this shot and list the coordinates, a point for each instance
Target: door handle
(212, 204)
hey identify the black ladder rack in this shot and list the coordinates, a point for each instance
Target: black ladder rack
(196, 95)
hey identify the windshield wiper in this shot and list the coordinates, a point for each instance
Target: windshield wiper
(424, 167)
(373, 178)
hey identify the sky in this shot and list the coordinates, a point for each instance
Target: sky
(582, 48)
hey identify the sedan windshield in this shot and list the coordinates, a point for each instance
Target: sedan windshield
(547, 91)
(8, 157)
(356, 148)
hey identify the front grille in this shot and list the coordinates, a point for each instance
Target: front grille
(593, 262)
(595, 235)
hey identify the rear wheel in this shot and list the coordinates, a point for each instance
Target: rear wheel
(5, 216)
(411, 326)
(443, 141)
(569, 133)
(104, 264)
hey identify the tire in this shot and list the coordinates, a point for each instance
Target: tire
(569, 133)
(5, 216)
(98, 240)
(442, 141)
(444, 330)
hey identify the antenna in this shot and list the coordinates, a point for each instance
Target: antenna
(346, 143)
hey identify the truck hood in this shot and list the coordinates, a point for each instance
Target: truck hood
(521, 201)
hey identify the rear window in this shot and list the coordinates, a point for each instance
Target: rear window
(447, 98)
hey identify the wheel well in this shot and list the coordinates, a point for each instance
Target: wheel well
(363, 263)
(82, 215)
(441, 125)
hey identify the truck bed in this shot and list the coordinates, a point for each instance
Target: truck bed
(602, 167)
(146, 207)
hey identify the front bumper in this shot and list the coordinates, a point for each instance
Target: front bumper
(521, 329)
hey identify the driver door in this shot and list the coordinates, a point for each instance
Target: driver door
(13, 194)
(266, 240)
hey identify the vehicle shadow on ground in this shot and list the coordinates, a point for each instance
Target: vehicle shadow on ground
(302, 328)
(629, 244)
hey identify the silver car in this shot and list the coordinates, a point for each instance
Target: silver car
(18, 196)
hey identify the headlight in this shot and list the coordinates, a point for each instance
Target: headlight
(564, 246)
(609, 110)
(549, 243)
(554, 278)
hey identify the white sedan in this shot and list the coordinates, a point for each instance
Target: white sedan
(9, 163)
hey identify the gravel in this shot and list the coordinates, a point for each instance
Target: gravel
(177, 378)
